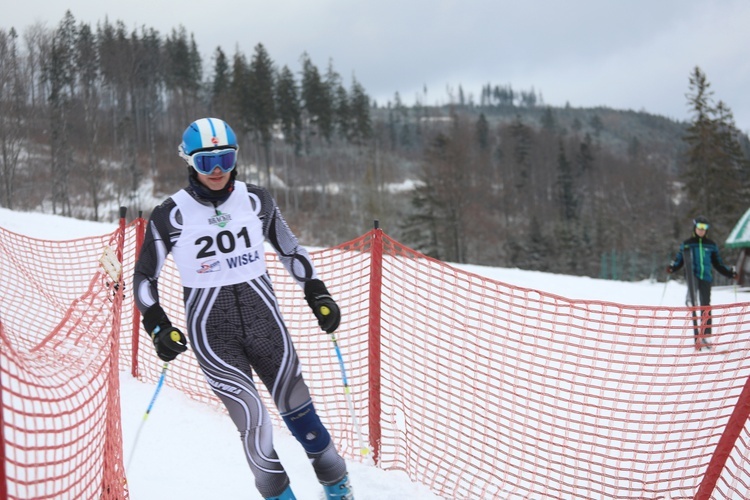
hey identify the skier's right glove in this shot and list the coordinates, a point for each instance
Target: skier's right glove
(168, 340)
(323, 306)
(670, 269)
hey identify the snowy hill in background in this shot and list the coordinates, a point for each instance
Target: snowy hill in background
(188, 451)
(45, 226)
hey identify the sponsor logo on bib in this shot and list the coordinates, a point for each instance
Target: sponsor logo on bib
(209, 266)
(219, 219)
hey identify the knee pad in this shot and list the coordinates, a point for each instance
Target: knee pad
(307, 428)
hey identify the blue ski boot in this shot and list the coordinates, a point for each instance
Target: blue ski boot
(285, 495)
(339, 491)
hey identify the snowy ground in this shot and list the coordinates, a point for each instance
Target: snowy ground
(187, 451)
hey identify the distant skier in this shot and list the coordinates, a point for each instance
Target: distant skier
(215, 228)
(699, 254)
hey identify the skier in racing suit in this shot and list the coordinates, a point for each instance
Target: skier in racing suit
(215, 229)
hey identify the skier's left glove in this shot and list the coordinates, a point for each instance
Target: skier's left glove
(168, 340)
(323, 306)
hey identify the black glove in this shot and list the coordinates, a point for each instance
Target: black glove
(168, 340)
(322, 305)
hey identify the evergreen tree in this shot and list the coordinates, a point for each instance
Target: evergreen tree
(538, 249)
(565, 186)
(485, 96)
(585, 171)
(241, 100)
(549, 124)
(87, 62)
(60, 75)
(150, 87)
(288, 110)
(420, 227)
(585, 157)
(392, 128)
(360, 113)
(597, 124)
(113, 49)
(316, 107)
(183, 72)
(483, 132)
(327, 117)
(528, 98)
(737, 170)
(565, 256)
(342, 112)
(220, 96)
(432, 205)
(450, 193)
(716, 165)
(262, 103)
(288, 107)
(521, 151)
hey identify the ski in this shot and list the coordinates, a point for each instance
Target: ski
(708, 347)
(712, 350)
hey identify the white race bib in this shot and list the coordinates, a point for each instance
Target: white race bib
(219, 246)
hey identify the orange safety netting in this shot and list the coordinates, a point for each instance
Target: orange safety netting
(476, 388)
(60, 314)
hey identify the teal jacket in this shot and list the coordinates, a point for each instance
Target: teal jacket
(705, 256)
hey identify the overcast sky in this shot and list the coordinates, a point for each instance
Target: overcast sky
(623, 54)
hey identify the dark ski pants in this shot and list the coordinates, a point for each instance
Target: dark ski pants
(704, 300)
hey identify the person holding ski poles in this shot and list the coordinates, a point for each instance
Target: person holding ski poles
(215, 229)
(699, 254)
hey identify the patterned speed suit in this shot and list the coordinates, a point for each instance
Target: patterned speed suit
(237, 328)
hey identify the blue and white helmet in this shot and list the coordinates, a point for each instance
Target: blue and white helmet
(208, 143)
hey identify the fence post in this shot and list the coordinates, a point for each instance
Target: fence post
(376, 279)
(3, 477)
(140, 231)
(726, 444)
(113, 476)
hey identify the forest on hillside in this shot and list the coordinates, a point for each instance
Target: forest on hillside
(92, 115)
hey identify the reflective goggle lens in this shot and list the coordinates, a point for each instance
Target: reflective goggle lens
(702, 225)
(204, 162)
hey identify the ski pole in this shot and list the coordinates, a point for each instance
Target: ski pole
(664, 292)
(159, 384)
(363, 450)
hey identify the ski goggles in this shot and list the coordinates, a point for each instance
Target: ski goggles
(702, 225)
(205, 162)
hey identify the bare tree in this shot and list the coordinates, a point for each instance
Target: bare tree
(12, 105)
